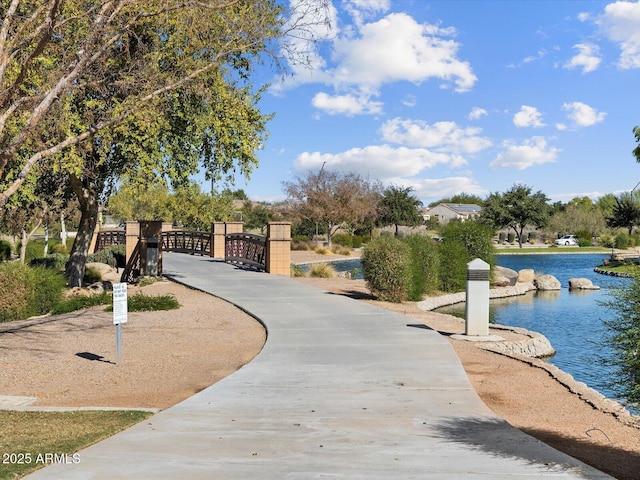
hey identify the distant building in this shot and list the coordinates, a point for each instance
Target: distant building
(452, 211)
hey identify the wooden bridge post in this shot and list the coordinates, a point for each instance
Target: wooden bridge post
(278, 256)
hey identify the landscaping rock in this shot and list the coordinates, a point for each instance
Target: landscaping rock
(547, 282)
(107, 272)
(582, 284)
(526, 275)
(504, 277)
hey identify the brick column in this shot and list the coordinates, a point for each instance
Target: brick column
(217, 239)
(132, 236)
(278, 256)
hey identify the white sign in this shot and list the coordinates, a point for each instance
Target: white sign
(119, 303)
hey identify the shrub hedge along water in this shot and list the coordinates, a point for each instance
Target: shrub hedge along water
(385, 265)
(398, 269)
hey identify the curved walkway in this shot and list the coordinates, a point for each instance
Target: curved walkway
(342, 389)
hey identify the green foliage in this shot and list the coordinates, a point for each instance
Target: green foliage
(385, 264)
(584, 238)
(625, 213)
(343, 239)
(398, 207)
(108, 255)
(475, 237)
(463, 198)
(27, 291)
(322, 270)
(92, 275)
(423, 267)
(5, 250)
(80, 302)
(150, 303)
(453, 266)
(624, 339)
(621, 241)
(55, 261)
(516, 209)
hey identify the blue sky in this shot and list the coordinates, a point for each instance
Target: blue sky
(463, 96)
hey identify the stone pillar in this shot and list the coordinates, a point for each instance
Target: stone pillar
(217, 240)
(477, 306)
(150, 251)
(278, 255)
(132, 237)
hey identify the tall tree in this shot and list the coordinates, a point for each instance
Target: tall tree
(73, 73)
(626, 212)
(515, 209)
(333, 199)
(463, 198)
(399, 207)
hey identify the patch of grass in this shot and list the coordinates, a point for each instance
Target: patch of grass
(31, 435)
(297, 271)
(146, 303)
(322, 270)
(79, 302)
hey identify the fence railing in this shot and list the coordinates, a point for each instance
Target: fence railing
(186, 241)
(246, 249)
(108, 238)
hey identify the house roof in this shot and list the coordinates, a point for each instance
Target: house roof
(460, 208)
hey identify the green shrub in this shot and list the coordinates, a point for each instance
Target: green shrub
(56, 261)
(385, 264)
(92, 275)
(27, 291)
(5, 250)
(108, 255)
(357, 241)
(147, 303)
(502, 237)
(621, 241)
(59, 248)
(343, 239)
(322, 270)
(463, 242)
(511, 237)
(79, 302)
(423, 267)
(453, 266)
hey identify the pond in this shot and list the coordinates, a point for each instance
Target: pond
(572, 321)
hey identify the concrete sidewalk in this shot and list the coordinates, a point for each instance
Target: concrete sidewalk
(342, 389)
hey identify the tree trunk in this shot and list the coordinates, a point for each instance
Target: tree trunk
(88, 198)
(63, 230)
(46, 241)
(23, 246)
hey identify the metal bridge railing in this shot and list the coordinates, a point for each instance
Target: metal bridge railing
(246, 249)
(186, 241)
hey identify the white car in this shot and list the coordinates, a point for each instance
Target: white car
(567, 240)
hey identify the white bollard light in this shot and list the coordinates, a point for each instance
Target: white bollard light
(477, 306)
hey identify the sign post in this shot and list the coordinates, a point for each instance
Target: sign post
(119, 312)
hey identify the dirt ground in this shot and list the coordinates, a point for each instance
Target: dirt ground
(69, 360)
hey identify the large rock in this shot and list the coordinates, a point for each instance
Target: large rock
(526, 275)
(582, 284)
(504, 277)
(107, 273)
(547, 282)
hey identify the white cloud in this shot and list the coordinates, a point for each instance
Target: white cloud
(588, 58)
(528, 117)
(381, 162)
(477, 113)
(620, 22)
(582, 114)
(398, 48)
(346, 104)
(362, 9)
(445, 137)
(534, 151)
(538, 56)
(561, 126)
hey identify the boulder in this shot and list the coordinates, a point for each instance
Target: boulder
(526, 275)
(107, 272)
(504, 277)
(582, 284)
(547, 282)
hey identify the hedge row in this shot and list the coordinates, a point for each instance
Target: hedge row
(398, 269)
